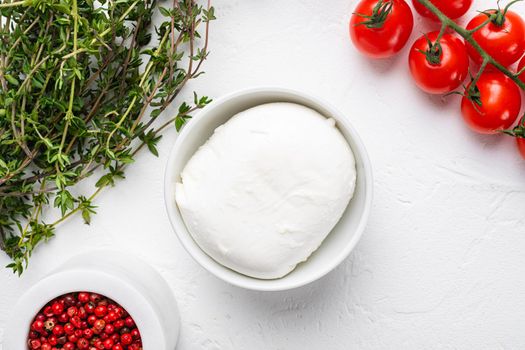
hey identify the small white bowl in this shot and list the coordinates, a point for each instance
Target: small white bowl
(129, 281)
(339, 243)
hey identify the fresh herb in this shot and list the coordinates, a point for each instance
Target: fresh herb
(82, 90)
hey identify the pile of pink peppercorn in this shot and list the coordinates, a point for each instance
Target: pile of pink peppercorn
(83, 321)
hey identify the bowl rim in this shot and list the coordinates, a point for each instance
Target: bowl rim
(112, 274)
(68, 281)
(215, 268)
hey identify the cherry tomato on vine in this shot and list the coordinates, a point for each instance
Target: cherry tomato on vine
(519, 134)
(520, 67)
(503, 37)
(451, 8)
(521, 146)
(494, 105)
(381, 28)
(438, 68)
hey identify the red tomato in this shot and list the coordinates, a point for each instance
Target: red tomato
(448, 70)
(519, 133)
(500, 100)
(381, 28)
(520, 67)
(452, 8)
(521, 146)
(505, 42)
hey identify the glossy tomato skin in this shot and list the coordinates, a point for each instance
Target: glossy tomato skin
(521, 146)
(520, 67)
(446, 76)
(452, 8)
(505, 43)
(500, 104)
(387, 40)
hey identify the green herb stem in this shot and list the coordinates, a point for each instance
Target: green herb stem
(13, 4)
(77, 84)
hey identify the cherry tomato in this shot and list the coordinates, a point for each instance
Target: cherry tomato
(381, 28)
(521, 146)
(438, 68)
(520, 67)
(503, 37)
(519, 133)
(451, 8)
(500, 100)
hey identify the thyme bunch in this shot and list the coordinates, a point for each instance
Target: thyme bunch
(82, 86)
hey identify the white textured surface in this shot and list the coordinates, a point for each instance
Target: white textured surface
(442, 263)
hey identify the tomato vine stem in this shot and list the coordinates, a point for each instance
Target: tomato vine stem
(446, 22)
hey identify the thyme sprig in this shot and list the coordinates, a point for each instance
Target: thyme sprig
(82, 90)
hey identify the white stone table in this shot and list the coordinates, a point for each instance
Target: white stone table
(442, 262)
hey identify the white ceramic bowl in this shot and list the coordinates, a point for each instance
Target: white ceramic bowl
(129, 281)
(339, 243)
